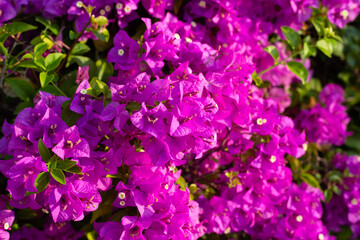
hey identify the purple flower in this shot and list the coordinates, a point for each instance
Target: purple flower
(151, 121)
(125, 51)
(71, 145)
(22, 175)
(6, 220)
(7, 11)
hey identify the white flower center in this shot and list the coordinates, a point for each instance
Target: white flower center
(344, 14)
(102, 12)
(127, 9)
(172, 168)
(166, 186)
(107, 8)
(354, 201)
(6, 226)
(321, 236)
(193, 24)
(188, 40)
(122, 203)
(299, 218)
(83, 91)
(122, 196)
(119, 6)
(177, 36)
(273, 159)
(202, 4)
(260, 121)
(121, 52)
(79, 4)
(305, 146)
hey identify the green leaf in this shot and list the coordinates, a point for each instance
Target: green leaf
(335, 176)
(18, 27)
(59, 176)
(105, 69)
(80, 48)
(273, 52)
(328, 194)
(319, 24)
(29, 193)
(193, 188)
(336, 189)
(3, 49)
(309, 50)
(326, 45)
(91, 235)
(75, 169)
(52, 165)
(257, 80)
(39, 49)
(53, 162)
(45, 78)
(42, 180)
(133, 106)
(65, 164)
(68, 116)
(345, 233)
(299, 70)
(292, 37)
(27, 64)
(27, 56)
(44, 151)
(102, 210)
(182, 183)
(53, 60)
(40, 62)
(101, 20)
(72, 35)
(52, 26)
(310, 179)
(81, 61)
(103, 36)
(23, 89)
(99, 87)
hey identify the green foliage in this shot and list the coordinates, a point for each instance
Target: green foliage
(292, 37)
(42, 181)
(58, 175)
(298, 69)
(44, 151)
(273, 52)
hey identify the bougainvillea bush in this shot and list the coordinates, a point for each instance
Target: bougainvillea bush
(175, 119)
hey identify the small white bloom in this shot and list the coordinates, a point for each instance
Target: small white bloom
(6, 226)
(79, 4)
(119, 6)
(121, 52)
(202, 4)
(127, 9)
(122, 195)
